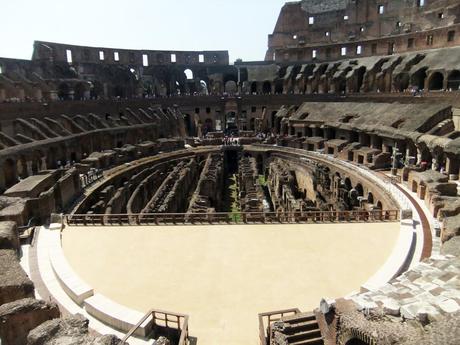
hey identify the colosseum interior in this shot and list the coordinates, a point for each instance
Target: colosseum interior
(173, 197)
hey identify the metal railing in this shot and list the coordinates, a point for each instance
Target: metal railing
(362, 216)
(265, 320)
(164, 322)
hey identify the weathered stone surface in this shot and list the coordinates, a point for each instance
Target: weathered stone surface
(451, 228)
(18, 318)
(162, 341)
(14, 283)
(9, 238)
(451, 247)
(71, 330)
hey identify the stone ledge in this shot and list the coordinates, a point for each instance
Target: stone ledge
(77, 289)
(116, 315)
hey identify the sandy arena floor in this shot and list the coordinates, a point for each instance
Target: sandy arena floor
(223, 276)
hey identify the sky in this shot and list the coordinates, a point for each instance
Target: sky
(240, 26)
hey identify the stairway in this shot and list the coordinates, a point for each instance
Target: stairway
(302, 329)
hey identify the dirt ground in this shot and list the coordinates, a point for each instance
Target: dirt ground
(223, 276)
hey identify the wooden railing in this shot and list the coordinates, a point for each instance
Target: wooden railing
(164, 323)
(265, 320)
(231, 218)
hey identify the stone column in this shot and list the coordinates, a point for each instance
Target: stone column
(29, 168)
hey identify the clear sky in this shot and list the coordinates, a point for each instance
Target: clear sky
(240, 26)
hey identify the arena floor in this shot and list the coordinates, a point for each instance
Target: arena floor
(223, 276)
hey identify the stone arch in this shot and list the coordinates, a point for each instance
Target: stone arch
(80, 91)
(347, 184)
(370, 198)
(418, 78)
(401, 82)
(188, 74)
(96, 89)
(204, 88)
(360, 78)
(231, 87)
(279, 87)
(453, 80)
(266, 88)
(64, 91)
(436, 81)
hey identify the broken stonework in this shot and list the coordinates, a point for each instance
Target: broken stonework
(71, 330)
(9, 238)
(18, 318)
(451, 247)
(14, 283)
(162, 341)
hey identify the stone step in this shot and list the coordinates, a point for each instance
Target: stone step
(292, 328)
(298, 318)
(311, 334)
(314, 341)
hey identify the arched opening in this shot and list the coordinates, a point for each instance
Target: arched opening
(436, 81)
(360, 78)
(279, 87)
(453, 80)
(252, 125)
(379, 205)
(359, 189)
(64, 91)
(370, 198)
(203, 88)
(96, 90)
(253, 88)
(9, 173)
(208, 127)
(188, 74)
(401, 82)
(79, 92)
(230, 87)
(188, 124)
(260, 164)
(341, 85)
(347, 184)
(119, 91)
(266, 88)
(356, 341)
(418, 78)
(230, 121)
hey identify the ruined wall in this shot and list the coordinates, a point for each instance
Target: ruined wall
(377, 27)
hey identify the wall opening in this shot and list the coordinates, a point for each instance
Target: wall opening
(436, 81)
(453, 80)
(68, 53)
(418, 78)
(145, 60)
(188, 74)
(266, 88)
